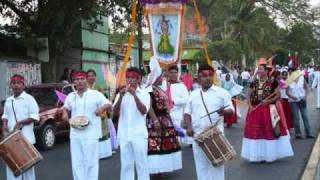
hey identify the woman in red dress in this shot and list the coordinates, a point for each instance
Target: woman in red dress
(261, 141)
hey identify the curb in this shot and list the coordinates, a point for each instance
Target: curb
(311, 172)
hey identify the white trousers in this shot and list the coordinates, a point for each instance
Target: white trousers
(28, 175)
(204, 168)
(134, 153)
(85, 159)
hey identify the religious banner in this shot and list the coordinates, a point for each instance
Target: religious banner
(165, 22)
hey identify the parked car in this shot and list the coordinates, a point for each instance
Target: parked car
(51, 124)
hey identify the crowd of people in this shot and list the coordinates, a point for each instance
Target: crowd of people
(158, 117)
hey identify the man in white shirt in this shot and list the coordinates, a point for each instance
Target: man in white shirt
(20, 112)
(215, 98)
(297, 93)
(131, 106)
(178, 95)
(84, 143)
(245, 77)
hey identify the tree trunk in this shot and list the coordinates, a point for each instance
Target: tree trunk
(243, 60)
(49, 71)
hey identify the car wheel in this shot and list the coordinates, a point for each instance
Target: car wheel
(48, 137)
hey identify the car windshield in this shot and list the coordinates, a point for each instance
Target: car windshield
(43, 96)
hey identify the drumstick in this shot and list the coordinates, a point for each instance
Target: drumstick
(213, 112)
(267, 98)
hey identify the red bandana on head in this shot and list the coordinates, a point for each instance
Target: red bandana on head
(16, 78)
(133, 74)
(205, 73)
(80, 74)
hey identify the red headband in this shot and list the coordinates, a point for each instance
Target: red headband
(206, 73)
(133, 74)
(16, 78)
(80, 74)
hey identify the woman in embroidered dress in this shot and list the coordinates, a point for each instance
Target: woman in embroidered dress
(261, 141)
(164, 152)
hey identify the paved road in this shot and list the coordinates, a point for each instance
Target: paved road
(56, 163)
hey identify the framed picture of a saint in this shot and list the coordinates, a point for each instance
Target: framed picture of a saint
(165, 32)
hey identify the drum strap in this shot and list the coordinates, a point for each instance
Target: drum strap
(14, 112)
(208, 114)
(204, 104)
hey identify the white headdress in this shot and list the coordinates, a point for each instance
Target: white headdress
(155, 71)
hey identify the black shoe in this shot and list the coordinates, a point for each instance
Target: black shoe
(310, 136)
(299, 137)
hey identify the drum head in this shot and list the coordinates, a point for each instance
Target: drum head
(79, 122)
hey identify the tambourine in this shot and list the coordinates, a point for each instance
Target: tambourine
(79, 122)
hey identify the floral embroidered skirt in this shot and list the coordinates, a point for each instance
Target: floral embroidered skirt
(164, 152)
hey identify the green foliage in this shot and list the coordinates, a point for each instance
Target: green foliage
(251, 23)
(227, 50)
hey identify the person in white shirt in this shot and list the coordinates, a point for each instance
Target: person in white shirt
(235, 75)
(215, 98)
(316, 83)
(178, 95)
(245, 77)
(219, 73)
(20, 112)
(297, 92)
(311, 75)
(131, 105)
(84, 143)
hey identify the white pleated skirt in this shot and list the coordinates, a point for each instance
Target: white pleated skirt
(164, 162)
(256, 150)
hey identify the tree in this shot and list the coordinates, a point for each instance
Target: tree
(55, 19)
(301, 38)
(226, 50)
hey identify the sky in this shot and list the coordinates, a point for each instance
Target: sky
(315, 3)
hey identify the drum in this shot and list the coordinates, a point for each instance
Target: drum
(18, 153)
(79, 122)
(215, 145)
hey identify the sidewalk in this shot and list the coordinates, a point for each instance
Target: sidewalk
(312, 170)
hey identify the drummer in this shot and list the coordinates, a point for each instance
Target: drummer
(84, 143)
(215, 98)
(20, 112)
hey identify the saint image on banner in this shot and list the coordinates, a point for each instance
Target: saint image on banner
(164, 47)
(165, 36)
